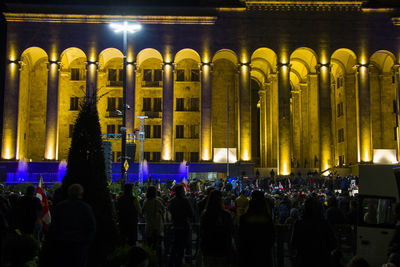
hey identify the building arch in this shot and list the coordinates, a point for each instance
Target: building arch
(147, 53)
(307, 56)
(71, 54)
(226, 54)
(107, 55)
(31, 55)
(347, 57)
(383, 60)
(187, 53)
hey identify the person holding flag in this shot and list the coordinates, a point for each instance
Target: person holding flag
(41, 195)
(185, 185)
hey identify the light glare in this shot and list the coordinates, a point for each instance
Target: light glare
(126, 27)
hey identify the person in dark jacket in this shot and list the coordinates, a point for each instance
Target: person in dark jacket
(128, 210)
(72, 230)
(313, 239)
(181, 215)
(216, 231)
(256, 233)
(29, 211)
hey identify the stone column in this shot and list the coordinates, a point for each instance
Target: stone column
(245, 112)
(263, 128)
(167, 112)
(51, 142)
(284, 164)
(10, 115)
(396, 70)
(91, 78)
(274, 121)
(206, 93)
(364, 117)
(130, 96)
(325, 116)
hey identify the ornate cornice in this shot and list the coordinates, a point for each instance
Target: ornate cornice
(301, 5)
(78, 18)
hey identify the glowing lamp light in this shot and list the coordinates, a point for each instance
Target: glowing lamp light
(366, 156)
(385, 156)
(206, 156)
(7, 154)
(126, 27)
(285, 170)
(167, 154)
(246, 155)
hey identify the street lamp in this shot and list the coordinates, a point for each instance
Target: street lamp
(125, 28)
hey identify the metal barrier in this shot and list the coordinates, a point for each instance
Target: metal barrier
(345, 235)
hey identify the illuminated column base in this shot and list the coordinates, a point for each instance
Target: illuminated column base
(206, 145)
(168, 113)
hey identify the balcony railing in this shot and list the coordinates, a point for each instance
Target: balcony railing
(151, 83)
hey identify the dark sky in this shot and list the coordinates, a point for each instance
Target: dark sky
(168, 3)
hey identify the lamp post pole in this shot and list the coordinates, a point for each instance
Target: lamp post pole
(123, 128)
(125, 28)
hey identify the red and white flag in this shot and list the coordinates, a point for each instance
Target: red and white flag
(281, 187)
(41, 194)
(185, 185)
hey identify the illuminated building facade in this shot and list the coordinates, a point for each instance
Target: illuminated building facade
(310, 84)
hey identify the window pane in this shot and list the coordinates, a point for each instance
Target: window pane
(74, 74)
(146, 104)
(110, 129)
(111, 104)
(112, 75)
(146, 156)
(156, 156)
(194, 131)
(195, 75)
(157, 75)
(180, 104)
(179, 131)
(147, 75)
(194, 156)
(157, 104)
(377, 211)
(179, 156)
(156, 131)
(180, 75)
(194, 104)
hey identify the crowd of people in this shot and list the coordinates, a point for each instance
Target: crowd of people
(240, 222)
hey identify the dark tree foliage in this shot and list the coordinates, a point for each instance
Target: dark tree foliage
(86, 167)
